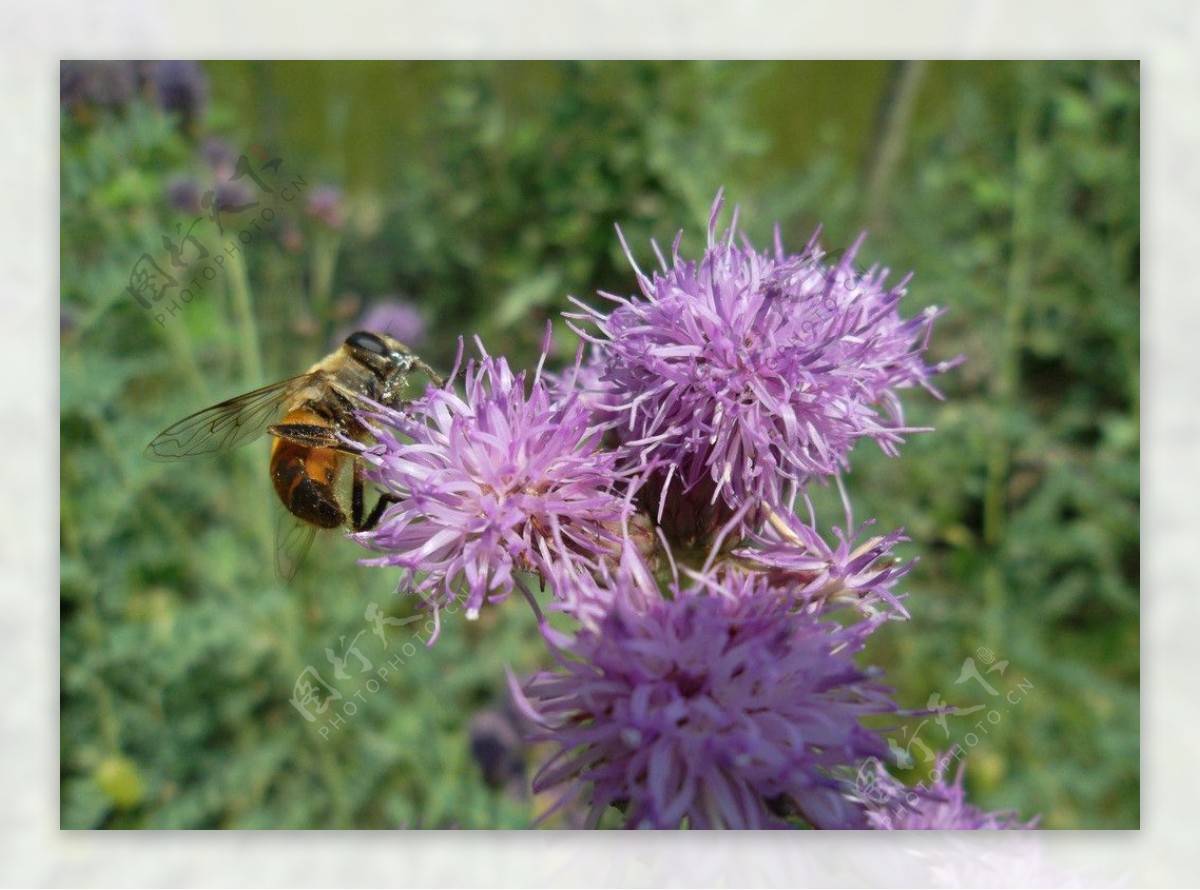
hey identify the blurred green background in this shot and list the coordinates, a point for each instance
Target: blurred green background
(478, 196)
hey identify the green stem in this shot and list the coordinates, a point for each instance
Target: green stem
(324, 259)
(252, 367)
(1011, 337)
(898, 103)
(243, 310)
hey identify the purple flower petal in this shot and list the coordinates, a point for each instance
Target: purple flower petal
(711, 710)
(756, 372)
(492, 483)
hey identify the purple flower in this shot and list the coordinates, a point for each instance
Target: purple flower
(102, 84)
(394, 316)
(589, 600)
(180, 86)
(326, 205)
(793, 554)
(940, 806)
(718, 707)
(220, 156)
(496, 746)
(756, 371)
(493, 483)
(231, 196)
(184, 195)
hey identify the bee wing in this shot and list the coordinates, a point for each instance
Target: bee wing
(308, 434)
(293, 538)
(227, 425)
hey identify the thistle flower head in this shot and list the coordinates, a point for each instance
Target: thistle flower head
(716, 708)
(757, 370)
(504, 479)
(793, 554)
(940, 806)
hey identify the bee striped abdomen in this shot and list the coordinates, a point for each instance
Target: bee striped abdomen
(304, 476)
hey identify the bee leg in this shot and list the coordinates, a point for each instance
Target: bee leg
(385, 501)
(429, 372)
(357, 505)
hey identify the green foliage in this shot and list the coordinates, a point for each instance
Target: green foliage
(1018, 208)
(510, 202)
(1016, 203)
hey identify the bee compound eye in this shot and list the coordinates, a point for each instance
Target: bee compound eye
(368, 342)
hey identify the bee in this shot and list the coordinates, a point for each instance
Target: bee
(308, 415)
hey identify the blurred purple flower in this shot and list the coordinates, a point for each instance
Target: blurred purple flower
(757, 371)
(100, 83)
(712, 711)
(292, 240)
(942, 806)
(326, 205)
(234, 197)
(496, 747)
(179, 86)
(390, 315)
(220, 156)
(493, 483)
(184, 195)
